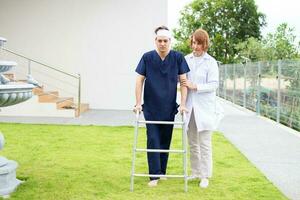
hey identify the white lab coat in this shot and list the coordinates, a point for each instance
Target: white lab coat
(205, 74)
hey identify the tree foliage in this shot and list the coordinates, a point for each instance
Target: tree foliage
(280, 45)
(228, 22)
(283, 43)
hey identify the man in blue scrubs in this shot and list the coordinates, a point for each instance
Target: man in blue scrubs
(160, 70)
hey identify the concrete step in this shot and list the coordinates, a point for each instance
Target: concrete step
(83, 108)
(48, 97)
(64, 102)
(37, 90)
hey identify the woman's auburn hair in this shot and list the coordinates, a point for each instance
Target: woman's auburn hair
(201, 37)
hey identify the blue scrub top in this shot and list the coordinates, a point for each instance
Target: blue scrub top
(160, 90)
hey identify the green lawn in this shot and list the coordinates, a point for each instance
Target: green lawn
(93, 162)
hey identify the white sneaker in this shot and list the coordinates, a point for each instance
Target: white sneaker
(204, 183)
(153, 183)
(192, 177)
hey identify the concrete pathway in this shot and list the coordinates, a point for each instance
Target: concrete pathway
(273, 148)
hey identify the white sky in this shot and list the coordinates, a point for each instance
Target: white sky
(276, 11)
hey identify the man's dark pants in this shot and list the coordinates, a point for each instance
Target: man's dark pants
(159, 136)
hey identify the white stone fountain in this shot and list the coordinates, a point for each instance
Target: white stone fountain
(11, 93)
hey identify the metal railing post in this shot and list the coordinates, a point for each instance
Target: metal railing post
(218, 89)
(225, 81)
(234, 86)
(79, 95)
(245, 86)
(29, 66)
(258, 88)
(278, 92)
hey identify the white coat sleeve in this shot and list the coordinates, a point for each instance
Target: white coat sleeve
(212, 79)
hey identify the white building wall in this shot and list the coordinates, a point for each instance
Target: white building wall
(102, 40)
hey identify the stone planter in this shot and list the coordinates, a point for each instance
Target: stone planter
(14, 93)
(6, 65)
(8, 180)
(2, 41)
(11, 93)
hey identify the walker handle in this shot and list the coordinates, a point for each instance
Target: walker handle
(137, 115)
(183, 114)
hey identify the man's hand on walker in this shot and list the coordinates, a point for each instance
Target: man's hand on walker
(183, 109)
(137, 108)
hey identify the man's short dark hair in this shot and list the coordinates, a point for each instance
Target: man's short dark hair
(161, 28)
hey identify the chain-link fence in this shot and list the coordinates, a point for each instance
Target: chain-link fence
(270, 88)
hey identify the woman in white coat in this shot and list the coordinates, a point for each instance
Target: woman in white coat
(202, 118)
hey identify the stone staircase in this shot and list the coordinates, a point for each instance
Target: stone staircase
(51, 104)
(60, 102)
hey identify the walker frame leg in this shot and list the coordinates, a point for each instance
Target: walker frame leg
(134, 152)
(183, 151)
